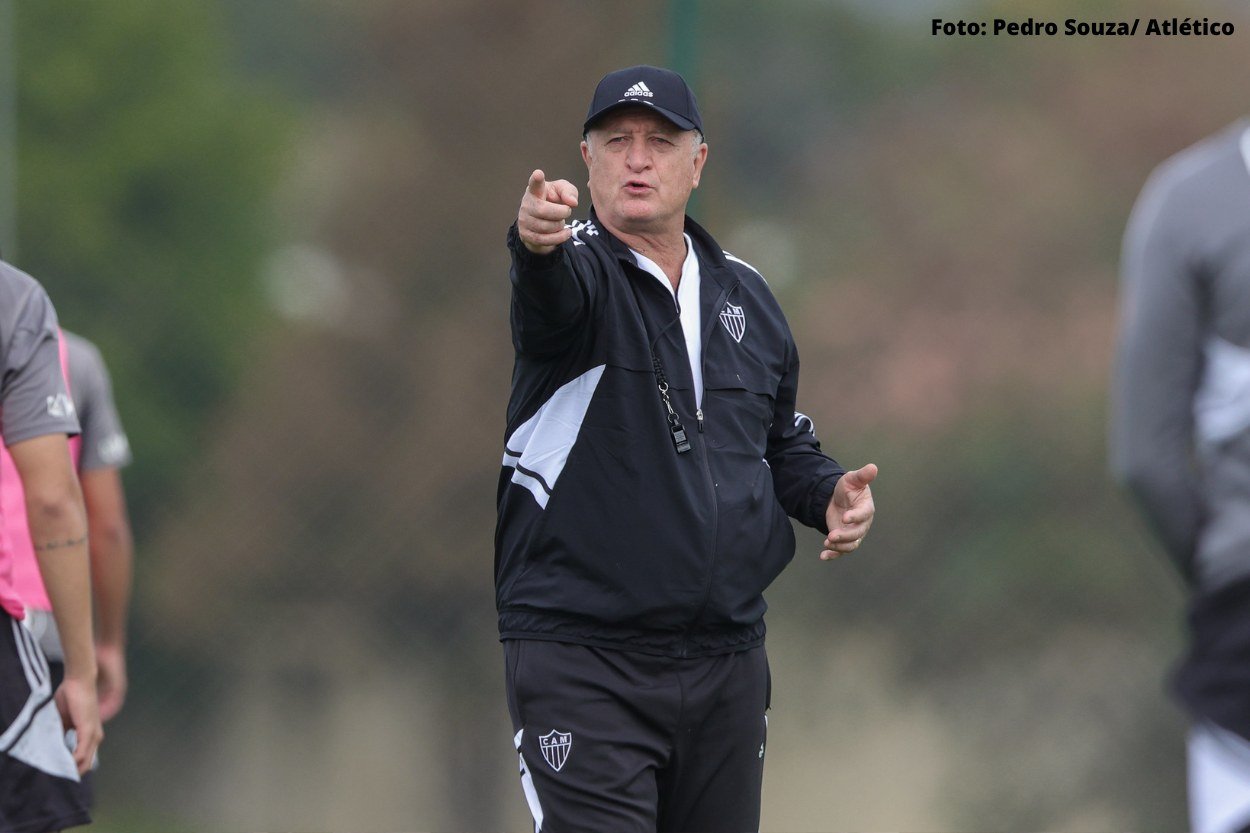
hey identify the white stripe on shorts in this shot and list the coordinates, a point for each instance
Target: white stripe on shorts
(36, 737)
(527, 784)
(43, 626)
(36, 681)
(1219, 779)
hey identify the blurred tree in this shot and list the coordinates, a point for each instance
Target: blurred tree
(145, 164)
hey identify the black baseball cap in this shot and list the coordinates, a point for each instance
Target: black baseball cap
(660, 89)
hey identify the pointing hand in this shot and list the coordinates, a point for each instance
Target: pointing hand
(544, 208)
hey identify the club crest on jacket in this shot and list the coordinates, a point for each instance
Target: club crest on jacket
(735, 321)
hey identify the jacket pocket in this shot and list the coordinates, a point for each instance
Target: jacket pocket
(738, 405)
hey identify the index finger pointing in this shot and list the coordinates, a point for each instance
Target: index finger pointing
(538, 184)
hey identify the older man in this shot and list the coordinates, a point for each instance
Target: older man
(652, 455)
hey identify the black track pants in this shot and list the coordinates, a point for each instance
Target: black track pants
(620, 741)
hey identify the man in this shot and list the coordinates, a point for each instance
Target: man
(39, 776)
(100, 451)
(652, 455)
(1180, 438)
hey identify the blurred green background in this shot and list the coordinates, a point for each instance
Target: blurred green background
(283, 224)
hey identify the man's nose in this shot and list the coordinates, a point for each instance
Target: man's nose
(639, 157)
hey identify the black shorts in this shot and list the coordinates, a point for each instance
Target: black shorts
(39, 786)
(621, 741)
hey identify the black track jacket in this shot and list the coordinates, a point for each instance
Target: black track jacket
(606, 535)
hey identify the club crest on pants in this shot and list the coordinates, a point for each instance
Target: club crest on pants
(555, 747)
(735, 321)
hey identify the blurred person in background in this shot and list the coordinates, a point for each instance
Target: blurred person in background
(652, 455)
(40, 786)
(1180, 439)
(100, 451)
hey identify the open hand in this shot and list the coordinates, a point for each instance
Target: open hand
(850, 512)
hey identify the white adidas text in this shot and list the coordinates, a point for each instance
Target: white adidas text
(639, 89)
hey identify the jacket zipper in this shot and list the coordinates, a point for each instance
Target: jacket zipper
(707, 472)
(703, 456)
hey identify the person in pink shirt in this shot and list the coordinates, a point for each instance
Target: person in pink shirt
(99, 453)
(40, 778)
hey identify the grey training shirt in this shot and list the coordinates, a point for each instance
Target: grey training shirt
(1180, 410)
(33, 398)
(104, 443)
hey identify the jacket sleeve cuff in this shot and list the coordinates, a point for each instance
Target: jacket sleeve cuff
(821, 494)
(528, 260)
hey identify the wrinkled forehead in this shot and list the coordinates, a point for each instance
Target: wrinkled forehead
(631, 119)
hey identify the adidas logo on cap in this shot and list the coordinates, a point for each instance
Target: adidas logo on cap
(659, 89)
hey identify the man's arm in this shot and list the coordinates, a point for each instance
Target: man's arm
(809, 484)
(803, 476)
(58, 529)
(105, 450)
(544, 208)
(112, 565)
(549, 299)
(1157, 372)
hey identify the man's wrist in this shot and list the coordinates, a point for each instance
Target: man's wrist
(82, 674)
(822, 499)
(526, 258)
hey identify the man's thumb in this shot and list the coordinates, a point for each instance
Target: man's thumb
(860, 478)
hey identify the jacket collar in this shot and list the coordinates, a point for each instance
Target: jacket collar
(712, 261)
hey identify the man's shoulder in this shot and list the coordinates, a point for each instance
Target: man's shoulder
(744, 270)
(752, 281)
(1185, 193)
(23, 302)
(82, 354)
(17, 288)
(709, 249)
(1203, 163)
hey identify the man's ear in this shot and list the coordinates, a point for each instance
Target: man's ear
(699, 159)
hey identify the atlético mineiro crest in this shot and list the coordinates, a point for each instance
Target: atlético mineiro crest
(555, 747)
(735, 321)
